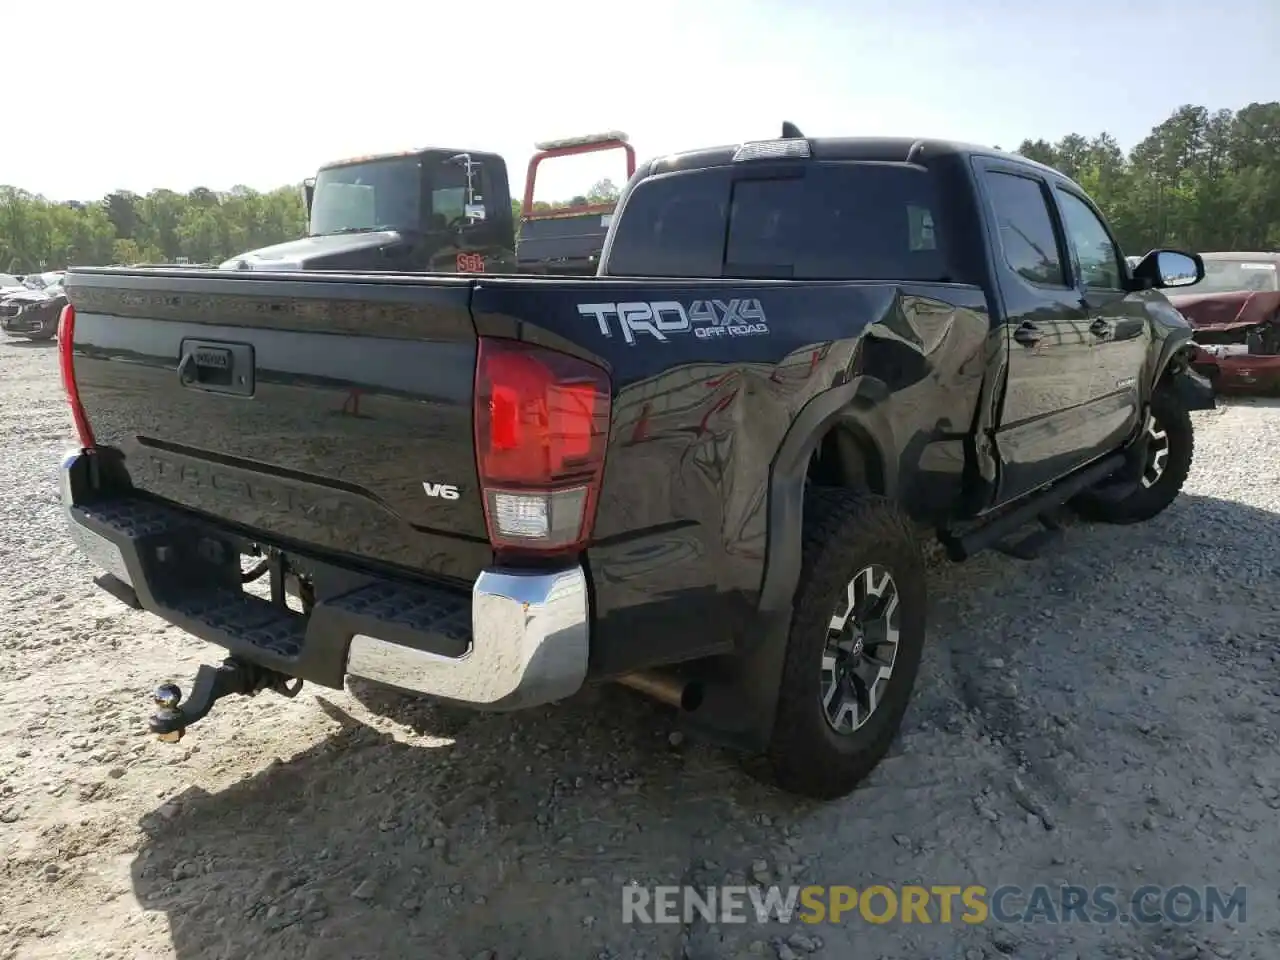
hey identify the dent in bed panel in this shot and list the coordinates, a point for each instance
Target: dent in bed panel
(682, 515)
(684, 505)
(680, 537)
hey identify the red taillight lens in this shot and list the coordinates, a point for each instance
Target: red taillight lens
(541, 425)
(67, 365)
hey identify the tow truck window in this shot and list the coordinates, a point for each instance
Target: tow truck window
(841, 221)
(449, 193)
(379, 195)
(447, 205)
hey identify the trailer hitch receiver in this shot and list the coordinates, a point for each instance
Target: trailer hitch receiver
(232, 676)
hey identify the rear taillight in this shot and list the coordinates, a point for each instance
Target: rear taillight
(67, 364)
(541, 425)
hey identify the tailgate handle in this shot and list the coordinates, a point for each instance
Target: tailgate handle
(217, 367)
(187, 369)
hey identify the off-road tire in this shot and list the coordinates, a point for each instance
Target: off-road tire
(1143, 503)
(844, 531)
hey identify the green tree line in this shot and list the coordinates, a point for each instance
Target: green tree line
(1200, 180)
(163, 226)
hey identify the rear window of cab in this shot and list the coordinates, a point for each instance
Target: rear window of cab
(805, 221)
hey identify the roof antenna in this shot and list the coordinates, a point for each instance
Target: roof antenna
(790, 131)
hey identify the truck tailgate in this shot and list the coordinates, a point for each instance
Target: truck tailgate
(323, 412)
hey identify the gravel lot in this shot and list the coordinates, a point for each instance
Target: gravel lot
(1106, 714)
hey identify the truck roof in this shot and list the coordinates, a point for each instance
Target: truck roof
(369, 158)
(882, 149)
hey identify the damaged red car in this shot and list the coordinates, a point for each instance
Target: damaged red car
(1235, 311)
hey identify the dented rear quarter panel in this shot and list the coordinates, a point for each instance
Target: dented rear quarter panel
(681, 539)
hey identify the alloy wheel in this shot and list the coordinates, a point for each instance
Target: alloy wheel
(862, 645)
(1157, 452)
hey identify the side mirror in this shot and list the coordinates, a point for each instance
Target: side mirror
(1170, 268)
(308, 192)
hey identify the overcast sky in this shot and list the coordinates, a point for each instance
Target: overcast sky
(135, 94)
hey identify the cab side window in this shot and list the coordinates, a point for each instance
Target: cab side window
(1027, 236)
(1096, 256)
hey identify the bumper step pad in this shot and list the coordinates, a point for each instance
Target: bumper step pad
(257, 621)
(309, 646)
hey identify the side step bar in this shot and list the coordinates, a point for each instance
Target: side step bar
(962, 546)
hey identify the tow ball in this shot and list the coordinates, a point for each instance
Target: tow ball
(232, 676)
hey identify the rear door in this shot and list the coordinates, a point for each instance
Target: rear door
(1116, 319)
(1049, 422)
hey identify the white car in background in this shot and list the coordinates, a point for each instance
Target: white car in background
(43, 281)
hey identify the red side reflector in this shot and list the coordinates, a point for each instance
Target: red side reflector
(66, 365)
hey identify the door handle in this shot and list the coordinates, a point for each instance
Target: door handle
(1028, 334)
(1101, 327)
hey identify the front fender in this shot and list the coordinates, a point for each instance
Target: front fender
(1195, 392)
(1173, 366)
(1172, 348)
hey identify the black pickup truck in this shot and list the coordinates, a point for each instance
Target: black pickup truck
(706, 473)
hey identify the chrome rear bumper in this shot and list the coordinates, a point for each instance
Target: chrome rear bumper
(519, 640)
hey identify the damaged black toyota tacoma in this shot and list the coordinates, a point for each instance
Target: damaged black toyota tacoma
(706, 473)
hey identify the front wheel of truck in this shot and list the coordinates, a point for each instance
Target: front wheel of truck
(857, 634)
(1170, 448)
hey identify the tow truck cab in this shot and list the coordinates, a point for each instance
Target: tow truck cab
(434, 209)
(567, 240)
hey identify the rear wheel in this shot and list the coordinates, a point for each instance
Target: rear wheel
(1170, 449)
(854, 649)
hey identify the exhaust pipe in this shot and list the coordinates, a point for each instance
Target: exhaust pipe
(673, 691)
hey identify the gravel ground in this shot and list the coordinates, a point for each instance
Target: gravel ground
(1107, 714)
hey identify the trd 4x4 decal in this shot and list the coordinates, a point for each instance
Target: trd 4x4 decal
(662, 319)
